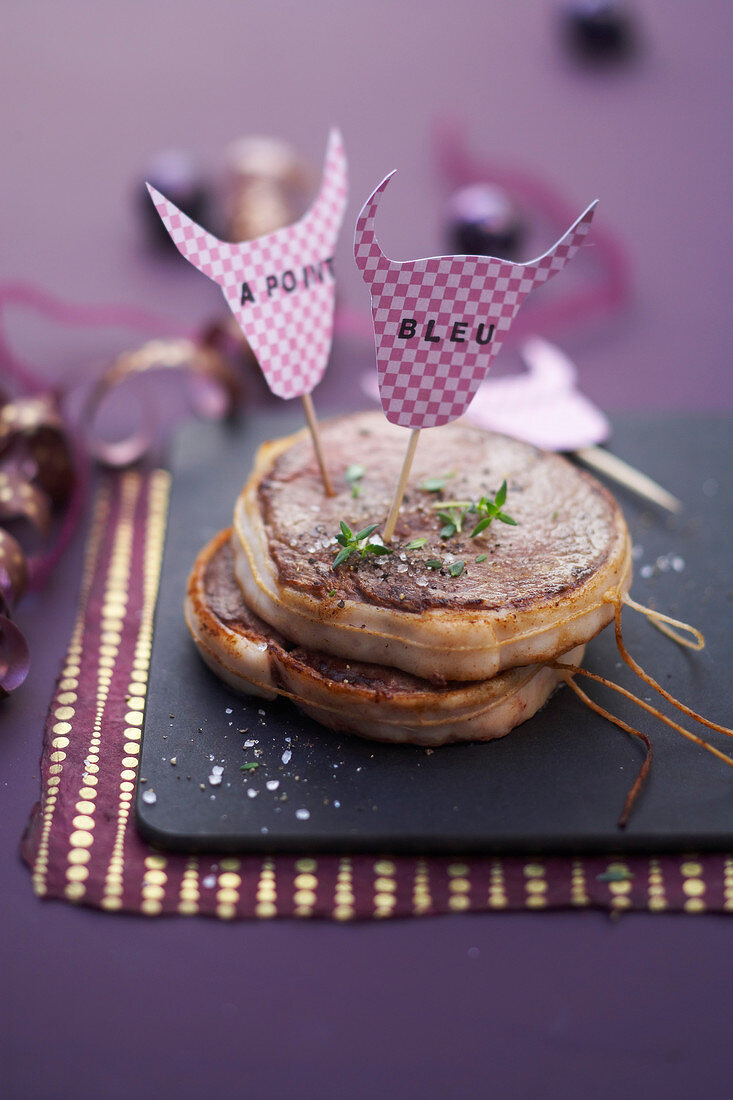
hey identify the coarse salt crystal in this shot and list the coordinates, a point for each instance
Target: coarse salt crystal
(272, 784)
(149, 796)
(252, 793)
(302, 815)
(286, 756)
(214, 780)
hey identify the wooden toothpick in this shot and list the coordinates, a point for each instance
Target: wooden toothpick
(310, 415)
(614, 467)
(401, 484)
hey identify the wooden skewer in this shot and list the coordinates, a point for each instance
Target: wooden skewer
(401, 484)
(310, 415)
(614, 467)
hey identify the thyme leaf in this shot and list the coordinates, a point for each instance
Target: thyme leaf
(490, 510)
(360, 543)
(435, 484)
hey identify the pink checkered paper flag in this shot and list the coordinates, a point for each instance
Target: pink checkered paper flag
(280, 287)
(439, 322)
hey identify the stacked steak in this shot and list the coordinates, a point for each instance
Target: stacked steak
(447, 637)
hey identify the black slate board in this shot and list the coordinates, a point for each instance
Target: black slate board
(555, 784)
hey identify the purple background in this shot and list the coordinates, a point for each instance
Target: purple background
(104, 1006)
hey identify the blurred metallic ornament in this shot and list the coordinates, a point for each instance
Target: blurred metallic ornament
(482, 220)
(15, 656)
(599, 31)
(173, 172)
(267, 186)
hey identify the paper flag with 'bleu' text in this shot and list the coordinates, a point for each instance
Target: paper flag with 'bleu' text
(439, 322)
(280, 287)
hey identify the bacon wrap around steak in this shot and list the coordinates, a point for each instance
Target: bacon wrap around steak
(374, 701)
(538, 593)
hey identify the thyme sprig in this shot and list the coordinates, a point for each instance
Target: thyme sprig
(489, 510)
(353, 475)
(357, 543)
(452, 513)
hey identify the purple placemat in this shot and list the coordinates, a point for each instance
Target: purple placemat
(82, 846)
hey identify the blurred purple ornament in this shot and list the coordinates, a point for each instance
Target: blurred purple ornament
(175, 174)
(599, 32)
(483, 221)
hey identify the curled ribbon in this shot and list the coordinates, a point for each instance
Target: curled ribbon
(43, 464)
(218, 397)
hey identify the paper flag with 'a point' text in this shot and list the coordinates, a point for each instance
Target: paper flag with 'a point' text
(280, 287)
(439, 322)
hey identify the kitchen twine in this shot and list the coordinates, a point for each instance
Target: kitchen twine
(674, 629)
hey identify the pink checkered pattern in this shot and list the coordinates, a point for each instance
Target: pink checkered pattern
(424, 384)
(289, 331)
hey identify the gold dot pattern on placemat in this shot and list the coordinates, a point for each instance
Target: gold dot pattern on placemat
(693, 886)
(229, 885)
(497, 886)
(421, 897)
(116, 586)
(155, 879)
(657, 898)
(189, 892)
(459, 887)
(535, 885)
(728, 884)
(385, 888)
(621, 888)
(62, 729)
(266, 905)
(343, 898)
(305, 886)
(578, 884)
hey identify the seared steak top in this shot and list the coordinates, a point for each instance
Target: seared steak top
(568, 525)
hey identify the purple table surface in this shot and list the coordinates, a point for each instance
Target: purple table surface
(544, 1005)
